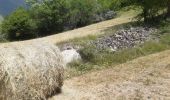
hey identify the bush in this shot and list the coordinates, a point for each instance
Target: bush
(19, 25)
(45, 17)
(82, 11)
(106, 5)
(152, 10)
(50, 16)
(88, 53)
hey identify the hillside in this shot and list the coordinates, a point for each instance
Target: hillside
(84, 50)
(93, 29)
(7, 6)
(145, 78)
(141, 79)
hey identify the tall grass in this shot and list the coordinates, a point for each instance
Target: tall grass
(93, 59)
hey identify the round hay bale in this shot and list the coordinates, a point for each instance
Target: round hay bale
(30, 71)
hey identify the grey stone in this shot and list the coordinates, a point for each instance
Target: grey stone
(125, 38)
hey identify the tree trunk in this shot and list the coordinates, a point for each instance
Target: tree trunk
(145, 14)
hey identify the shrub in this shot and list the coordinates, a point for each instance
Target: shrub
(152, 10)
(82, 11)
(50, 15)
(19, 25)
(88, 53)
(45, 17)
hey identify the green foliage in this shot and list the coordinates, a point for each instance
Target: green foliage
(152, 47)
(94, 59)
(50, 15)
(151, 9)
(53, 15)
(88, 53)
(45, 17)
(82, 11)
(18, 25)
(165, 39)
(164, 27)
(106, 5)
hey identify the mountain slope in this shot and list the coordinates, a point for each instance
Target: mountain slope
(145, 78)
(94, 29)
(7, 6)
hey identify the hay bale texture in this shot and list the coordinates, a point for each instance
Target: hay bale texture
(30, 71)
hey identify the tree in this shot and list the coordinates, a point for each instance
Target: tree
(19, 25)
(150, 8)
(106, 5)
(50, 15)
(83, 11)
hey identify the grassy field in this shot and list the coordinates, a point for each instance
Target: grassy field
(138, 73)
(140, 79)
(93, 29)
(95, 60)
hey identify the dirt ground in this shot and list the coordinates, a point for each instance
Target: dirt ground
(145, 78)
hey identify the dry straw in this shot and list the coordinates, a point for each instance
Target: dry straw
(30, 71)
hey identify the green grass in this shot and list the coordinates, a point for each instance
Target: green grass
(94, 59)
(165, 27)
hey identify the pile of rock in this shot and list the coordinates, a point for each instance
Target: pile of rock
(124, 39)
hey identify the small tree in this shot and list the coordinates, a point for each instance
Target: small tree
(150, 8)
(19, 25)
(50, 15)
(83, 11)
(106, 4)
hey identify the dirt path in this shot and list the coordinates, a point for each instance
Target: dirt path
(145, 78)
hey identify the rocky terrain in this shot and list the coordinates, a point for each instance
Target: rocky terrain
(125, 38)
